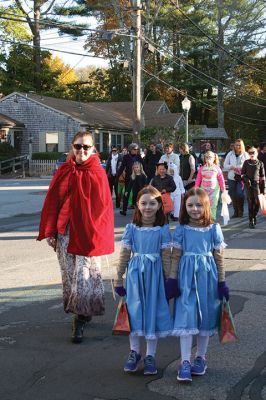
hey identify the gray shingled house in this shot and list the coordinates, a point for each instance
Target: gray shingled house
(41, 124)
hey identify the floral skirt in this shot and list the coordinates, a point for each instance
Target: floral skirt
(83, 290)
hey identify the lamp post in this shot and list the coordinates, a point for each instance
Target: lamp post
(186, 104)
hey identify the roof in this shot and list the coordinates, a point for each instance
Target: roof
(110, 115)
(202, 132)
(10, 122)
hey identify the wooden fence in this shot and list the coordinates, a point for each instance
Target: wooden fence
(12, 165)
(41, 167)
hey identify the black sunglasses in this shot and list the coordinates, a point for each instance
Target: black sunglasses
(80, 146)
(251, 152)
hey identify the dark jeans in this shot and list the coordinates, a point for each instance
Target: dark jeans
(252, 193)
(113, 184)
(235, 189)
(126, 198)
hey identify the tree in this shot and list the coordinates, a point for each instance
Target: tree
(19, 73)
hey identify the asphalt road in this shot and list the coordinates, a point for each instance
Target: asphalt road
(38, 361)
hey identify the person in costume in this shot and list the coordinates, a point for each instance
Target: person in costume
(198, 246)
(146, 257)
(210, 178)
(78, 222)
(176, 196)
(137, 181)
(232, 164)
(254, 179)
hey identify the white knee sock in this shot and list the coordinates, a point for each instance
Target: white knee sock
(151, 347)
(186, 345)
(202, 344)
(134, 343)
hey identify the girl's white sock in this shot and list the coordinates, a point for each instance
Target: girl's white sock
(134, 343)
(186, 345)
(202, 345)
(151, 347)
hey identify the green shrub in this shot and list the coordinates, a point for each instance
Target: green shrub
(7, 151)
(46, 156)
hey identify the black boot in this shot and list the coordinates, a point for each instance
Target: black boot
(255, 220)
(251, 223)
(78, 327)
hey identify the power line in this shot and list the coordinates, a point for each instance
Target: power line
(161, 49)
(214, 41)
(208, 107)
(49, 49)
(18, 18)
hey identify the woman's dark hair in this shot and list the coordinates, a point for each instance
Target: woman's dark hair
(160, 218)
(204, 198)
(164, 164)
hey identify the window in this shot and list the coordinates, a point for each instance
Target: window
(3, 135)
(116, 140)
(127, 139)
(51, 142)
(97, 140)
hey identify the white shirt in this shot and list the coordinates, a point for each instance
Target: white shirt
(113, 163)
(172, 157)
(232, 161)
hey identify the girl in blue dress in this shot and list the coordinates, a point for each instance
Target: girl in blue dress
(146, 257)
(198, 246)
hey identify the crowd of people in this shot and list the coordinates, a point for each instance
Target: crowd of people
(175, 173)
(78, 223)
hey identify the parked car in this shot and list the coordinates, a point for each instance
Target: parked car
(60, 161)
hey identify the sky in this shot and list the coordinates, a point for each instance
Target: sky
(51, 40)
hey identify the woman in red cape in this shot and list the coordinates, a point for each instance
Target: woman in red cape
(78, 222)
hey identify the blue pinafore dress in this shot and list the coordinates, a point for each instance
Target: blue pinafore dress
(146, 300)
(197, 308)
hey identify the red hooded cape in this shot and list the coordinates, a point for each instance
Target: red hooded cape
(91, 209)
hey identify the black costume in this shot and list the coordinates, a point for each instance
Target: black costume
(254, 178)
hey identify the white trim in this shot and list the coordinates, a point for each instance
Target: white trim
(195, 228)
(194, 331)
(125, 245)
(168, 245)
(177, 245)
(218, 246)
(156, 335)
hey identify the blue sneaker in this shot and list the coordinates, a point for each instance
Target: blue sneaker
(199, 366)
(132, 362)
(184, 372)
(149, 366)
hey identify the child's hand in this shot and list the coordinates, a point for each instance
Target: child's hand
(120, 290)
(171, 288)
(223, 291)
(126, 193)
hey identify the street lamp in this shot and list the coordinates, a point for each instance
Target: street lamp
(186, 104)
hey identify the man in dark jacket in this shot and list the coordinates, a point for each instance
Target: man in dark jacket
(128, 161)
(150, 160)
(112, 165)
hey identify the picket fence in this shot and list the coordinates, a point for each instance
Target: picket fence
(41, 167)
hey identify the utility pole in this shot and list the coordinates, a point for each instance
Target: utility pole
(137, 73)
